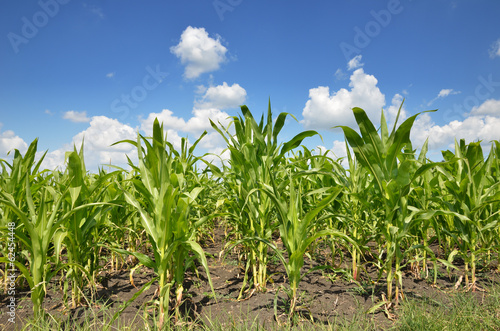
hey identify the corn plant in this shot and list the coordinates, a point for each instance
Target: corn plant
(393, 174)
(469, 183)
(80, 232)
(324, 173)
(359, 210)
(120, 227)
(40, 233)
(495, 177)
(423, 196)
(297, 228)
(255, 157)
(163, 200)
(12, 181)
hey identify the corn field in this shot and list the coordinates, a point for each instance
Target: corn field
(383, 205)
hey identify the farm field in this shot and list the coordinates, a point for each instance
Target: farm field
(279, 235)
(330, 299)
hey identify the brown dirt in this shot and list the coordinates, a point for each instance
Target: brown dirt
(325, 295)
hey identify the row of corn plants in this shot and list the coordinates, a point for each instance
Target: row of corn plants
(383, 204)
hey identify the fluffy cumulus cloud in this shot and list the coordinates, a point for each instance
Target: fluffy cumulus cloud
(218, 156)
(76, 116)
(324, 110)
(489, 107)
(55, 159)
(167, 117)
(201, 119)
(199, 52)
(195, 124)
(338, 150)
(222, 97)
(98, 138)
(9, 141)
(482, 124)
(210, 106)
(177, 128)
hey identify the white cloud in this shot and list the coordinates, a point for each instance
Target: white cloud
(177, 127)
(200, 121)
(98, 138)
(338, 149)
(391, 112)
(323, 111)
(443, 94)
(210, 106)
(195, 124)
(472, 128)
(167, 117)
(489, 107)
(9, 141)
(222, 96)
(495, 49)
(55, 159)
(213, 142)
(355, 63)
(199, 52)
(446, 92)
(48, 112)
(218, 156)
(110, 75)
(76, 116)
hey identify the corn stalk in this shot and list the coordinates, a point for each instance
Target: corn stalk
(163, 199)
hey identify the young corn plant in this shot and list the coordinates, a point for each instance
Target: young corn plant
(120, 227)
(383, 158)
(163, 199)
(324, 173)
(38, 217)
(361, 223)
(12, 181)
(469, 182)
(40, 233)
(297, 228)
(79, 231)
(422, 196)
(255, 157)
(495, 177)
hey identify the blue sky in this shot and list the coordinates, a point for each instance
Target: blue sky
(103, 70)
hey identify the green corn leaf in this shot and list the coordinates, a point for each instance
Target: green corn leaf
(295, 142)
(369, 134)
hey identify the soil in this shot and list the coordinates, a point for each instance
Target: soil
(326, 296)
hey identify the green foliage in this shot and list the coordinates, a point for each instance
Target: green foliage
(255, 157)
(387, 206)
(163, 195)
(393, 173)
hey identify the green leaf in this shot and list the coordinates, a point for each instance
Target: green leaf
(295, 142)
(143, 258)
